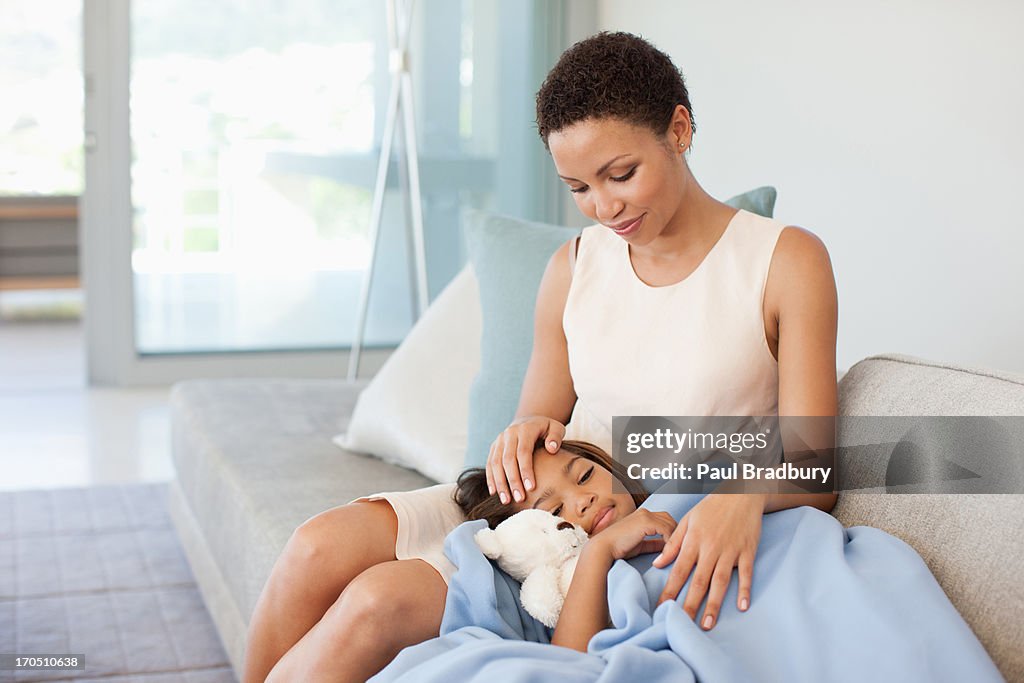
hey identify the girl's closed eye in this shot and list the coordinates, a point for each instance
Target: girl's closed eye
(583, 480)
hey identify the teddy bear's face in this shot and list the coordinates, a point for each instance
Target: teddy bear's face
(531, 539)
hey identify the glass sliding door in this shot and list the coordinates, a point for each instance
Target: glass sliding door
(248, 136)
(252, 131)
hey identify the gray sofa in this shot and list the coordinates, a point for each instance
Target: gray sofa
(254, 459)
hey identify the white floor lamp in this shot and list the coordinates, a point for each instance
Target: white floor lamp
(399, 98)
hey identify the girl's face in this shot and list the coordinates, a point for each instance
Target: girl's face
(623, 176)
(576, 489)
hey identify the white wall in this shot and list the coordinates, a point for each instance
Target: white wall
(893, 130)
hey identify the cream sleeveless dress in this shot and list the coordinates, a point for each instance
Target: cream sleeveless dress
(696, 347)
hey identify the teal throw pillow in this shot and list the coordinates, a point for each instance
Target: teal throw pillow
(509, 256)
(760, 201)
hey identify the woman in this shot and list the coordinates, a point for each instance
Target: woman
(731, 315)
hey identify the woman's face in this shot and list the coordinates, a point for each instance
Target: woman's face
(622, 176)
(576, 489)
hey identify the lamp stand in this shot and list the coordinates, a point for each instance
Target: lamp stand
(399, 99)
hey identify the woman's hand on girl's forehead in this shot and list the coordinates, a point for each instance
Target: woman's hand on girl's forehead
(509, 465)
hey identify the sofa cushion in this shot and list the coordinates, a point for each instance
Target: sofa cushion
(254, 459)
(971, 542)
(415, 410)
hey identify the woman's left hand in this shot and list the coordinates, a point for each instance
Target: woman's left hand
(720, 532)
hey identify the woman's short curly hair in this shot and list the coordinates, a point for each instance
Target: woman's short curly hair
(611, 75)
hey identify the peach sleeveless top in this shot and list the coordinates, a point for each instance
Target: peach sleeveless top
(696, 347)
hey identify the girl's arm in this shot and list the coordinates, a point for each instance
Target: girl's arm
(585, 610)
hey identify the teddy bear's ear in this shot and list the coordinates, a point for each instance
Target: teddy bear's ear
(489, 543)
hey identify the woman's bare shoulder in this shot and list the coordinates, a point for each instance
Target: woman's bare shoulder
(796, 243)
(558, 273)
(799, 265)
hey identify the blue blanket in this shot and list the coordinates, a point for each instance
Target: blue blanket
(827, 604)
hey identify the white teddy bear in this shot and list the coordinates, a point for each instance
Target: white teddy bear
(540, 550)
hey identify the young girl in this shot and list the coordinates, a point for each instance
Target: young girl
(577, 483)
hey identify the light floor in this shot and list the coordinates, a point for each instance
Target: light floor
(55, 431)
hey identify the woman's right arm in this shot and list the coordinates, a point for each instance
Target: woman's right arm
(547, 396)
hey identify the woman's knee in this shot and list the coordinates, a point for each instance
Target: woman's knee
(394, 604)
(362, 534)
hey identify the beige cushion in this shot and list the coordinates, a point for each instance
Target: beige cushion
(971, 542)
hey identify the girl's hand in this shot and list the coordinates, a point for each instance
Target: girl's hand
(628, 537)
(720, 532)
(510, 462)
(585, 611)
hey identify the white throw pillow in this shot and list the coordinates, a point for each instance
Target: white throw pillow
(415, 410)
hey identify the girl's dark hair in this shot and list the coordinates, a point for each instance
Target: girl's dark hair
(611, 75)
(473, 499)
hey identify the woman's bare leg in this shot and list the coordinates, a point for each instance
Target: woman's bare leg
(320, 559)
(384, 609)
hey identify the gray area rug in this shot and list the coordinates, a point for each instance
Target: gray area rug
(99, 571)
